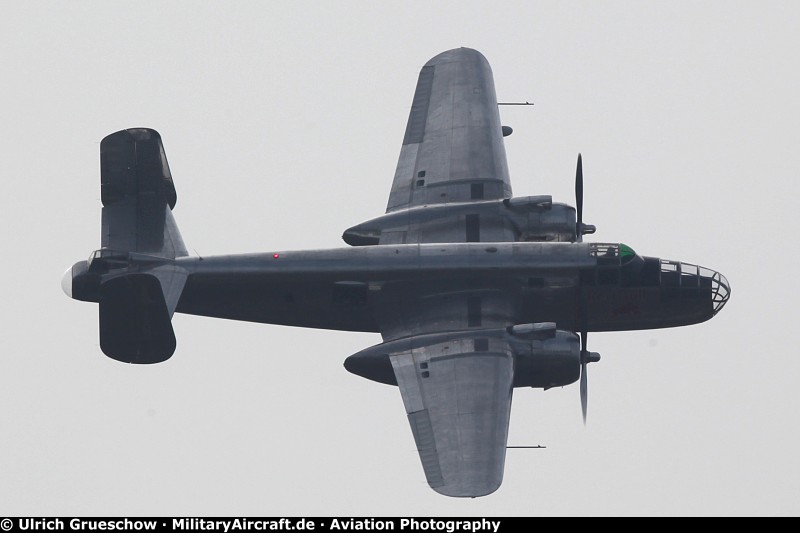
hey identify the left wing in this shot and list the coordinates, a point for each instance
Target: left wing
(452, 175)
(452, 183)
(453, 146)
(457, 394)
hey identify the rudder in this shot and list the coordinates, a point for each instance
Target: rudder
(135, 325)
(138, 195)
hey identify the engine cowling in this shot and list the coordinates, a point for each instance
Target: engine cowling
(547, 363)
(543, 356)
(529, 218)
(554, 224)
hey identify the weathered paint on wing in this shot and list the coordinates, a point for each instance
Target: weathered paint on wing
(453, 146)
(457, 395)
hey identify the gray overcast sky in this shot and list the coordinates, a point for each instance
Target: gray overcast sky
(282, 124)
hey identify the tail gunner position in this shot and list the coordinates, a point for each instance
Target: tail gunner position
(474, 291)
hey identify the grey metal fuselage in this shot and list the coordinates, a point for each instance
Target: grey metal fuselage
(355, 289)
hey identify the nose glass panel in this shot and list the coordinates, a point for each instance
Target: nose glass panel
(682, 277)
(720, 291)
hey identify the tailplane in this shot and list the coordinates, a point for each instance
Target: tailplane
(134, 276)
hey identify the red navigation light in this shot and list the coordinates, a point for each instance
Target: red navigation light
(276, 256)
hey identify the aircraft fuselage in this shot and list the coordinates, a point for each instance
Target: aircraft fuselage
(353, 288)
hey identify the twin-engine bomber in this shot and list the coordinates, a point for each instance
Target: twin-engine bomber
(473, 290)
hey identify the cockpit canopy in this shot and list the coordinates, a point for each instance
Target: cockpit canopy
(612, 254)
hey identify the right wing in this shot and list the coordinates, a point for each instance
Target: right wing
(455, 371)
(457, 395)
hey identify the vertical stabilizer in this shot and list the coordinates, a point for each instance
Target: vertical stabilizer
(138, 195)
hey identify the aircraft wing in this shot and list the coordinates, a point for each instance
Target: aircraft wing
(455, 375)
(450, 179)
(457, 395)
(453, 146)
(451, 183)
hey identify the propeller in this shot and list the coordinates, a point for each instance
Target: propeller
(586, 358)
(584, 378)
(581, 229)
(579, 199)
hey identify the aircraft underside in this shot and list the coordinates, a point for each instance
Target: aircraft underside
(374, 301)
(474, 291)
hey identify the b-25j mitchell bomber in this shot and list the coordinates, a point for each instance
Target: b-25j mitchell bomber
(474, 291)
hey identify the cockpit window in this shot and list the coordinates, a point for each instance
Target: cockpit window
(598, 249)
(606, 254)
(626, 253)
(612, 254)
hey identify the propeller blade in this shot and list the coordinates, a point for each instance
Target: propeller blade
(579, 199)
(584, 376)
(584, 391)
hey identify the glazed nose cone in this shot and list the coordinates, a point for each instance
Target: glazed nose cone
(720, 291)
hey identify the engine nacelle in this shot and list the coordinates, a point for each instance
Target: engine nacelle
(543, 356)
(556, 223)
(552, 362)
(529, 218)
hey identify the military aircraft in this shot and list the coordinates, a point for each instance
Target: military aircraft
(474, 291)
